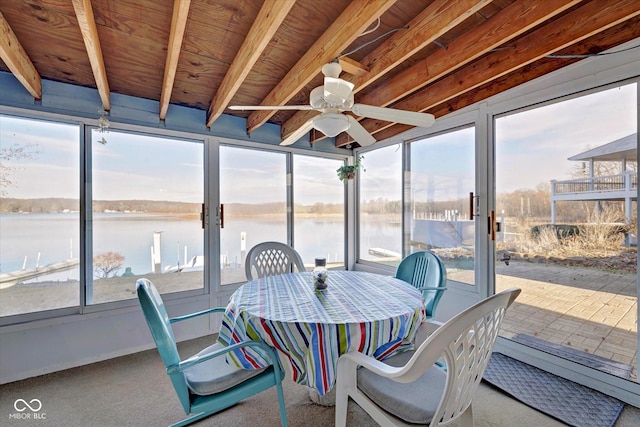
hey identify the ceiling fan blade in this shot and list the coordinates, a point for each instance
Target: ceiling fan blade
(359, 133)
(306, 127)
(337, 90)
(270, 107)
(395, 116)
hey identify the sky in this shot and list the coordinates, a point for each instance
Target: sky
(532, 148)
(261, 175)
(128, 166)
(442, 168)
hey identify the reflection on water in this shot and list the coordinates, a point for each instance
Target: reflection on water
(36, 240)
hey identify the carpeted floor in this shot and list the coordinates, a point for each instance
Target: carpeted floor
(135, 391)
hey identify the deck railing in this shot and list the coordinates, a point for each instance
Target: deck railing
(627, 181)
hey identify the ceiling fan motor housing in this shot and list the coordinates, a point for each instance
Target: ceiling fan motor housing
(317, 100)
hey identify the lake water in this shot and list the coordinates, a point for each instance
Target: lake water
(42, 239)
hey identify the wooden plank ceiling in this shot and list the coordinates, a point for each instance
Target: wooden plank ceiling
(432, 56)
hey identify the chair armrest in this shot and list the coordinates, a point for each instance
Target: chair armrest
(351, 360)
(194, 360)
(431, 288)
(196, 314)
(413, 369)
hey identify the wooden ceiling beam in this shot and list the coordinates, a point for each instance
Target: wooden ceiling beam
(434, 21)
(14, 55)
(508, 24)
(601, 41)
(577, 25)
(269, 19)
(87, 24)
(352, 67)
(355, 19)
(178, 25)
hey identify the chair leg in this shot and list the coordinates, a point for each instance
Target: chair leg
(283, 412)
(192, 419)
(342, 404)
(466, 419)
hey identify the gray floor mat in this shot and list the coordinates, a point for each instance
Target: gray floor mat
(564, 400)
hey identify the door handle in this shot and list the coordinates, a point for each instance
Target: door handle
(492, 225)
(474, 205)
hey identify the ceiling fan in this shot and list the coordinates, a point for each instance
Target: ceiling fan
(332, 99)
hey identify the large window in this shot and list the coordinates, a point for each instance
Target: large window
(139, 213)
(147, 195)
(318, 210)
(442, 176)
(144, 196)
(380, 206)
(566, 181)
(253, 192)
(39, 215)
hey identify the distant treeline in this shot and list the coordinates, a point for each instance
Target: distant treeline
(57, 205)
(521, 204)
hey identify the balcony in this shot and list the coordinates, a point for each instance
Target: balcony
(597, 186)
(613, 187)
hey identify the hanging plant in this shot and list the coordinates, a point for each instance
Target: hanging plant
(347, 172)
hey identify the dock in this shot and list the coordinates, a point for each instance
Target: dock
(10, 279)
(385, 253)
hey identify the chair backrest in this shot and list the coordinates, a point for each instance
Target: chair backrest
(162, 333)
(272, 258)
(465, 343)
(425, 269)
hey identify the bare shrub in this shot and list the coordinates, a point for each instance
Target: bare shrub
(107, 264)
(545, 240)
(605, 233)
(602, 235)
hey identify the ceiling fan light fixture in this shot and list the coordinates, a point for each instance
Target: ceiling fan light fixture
(331, 124)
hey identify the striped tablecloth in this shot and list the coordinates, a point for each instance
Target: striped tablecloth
(373, 314)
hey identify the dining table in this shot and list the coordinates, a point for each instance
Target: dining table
(310, 328)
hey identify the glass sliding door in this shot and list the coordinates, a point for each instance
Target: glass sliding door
(437, 200)
(253, 195)
(318, 212)
(566, 195)
(147, 198)
(39, 215)
(380, 206)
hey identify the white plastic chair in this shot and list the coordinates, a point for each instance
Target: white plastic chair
(410, 388)
(272, 258)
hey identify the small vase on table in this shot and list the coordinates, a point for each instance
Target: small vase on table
(320, 273)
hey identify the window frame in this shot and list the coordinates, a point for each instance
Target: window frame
(212, 290)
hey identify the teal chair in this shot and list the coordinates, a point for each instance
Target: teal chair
(425, 271)
(205, 383)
